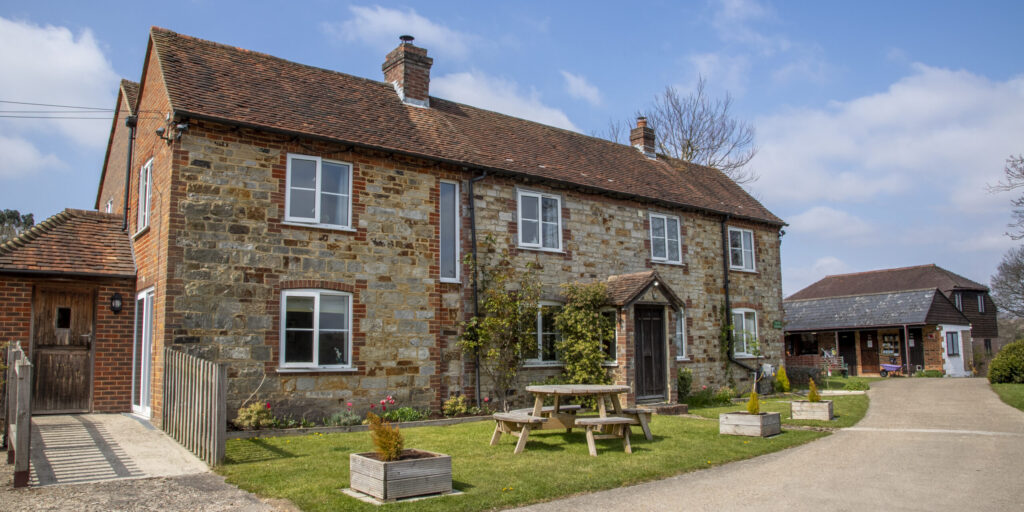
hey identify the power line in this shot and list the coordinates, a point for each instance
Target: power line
(52, 105)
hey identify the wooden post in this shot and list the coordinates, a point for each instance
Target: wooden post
(9, 399)
(23, 423)
(221, 413)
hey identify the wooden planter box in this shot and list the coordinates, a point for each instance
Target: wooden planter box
(807, 410)
(415, 474)
(746, 424)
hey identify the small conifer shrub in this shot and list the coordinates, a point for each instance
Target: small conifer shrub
(753, 405)
(387, 440)
(813, 395)
(782, 380)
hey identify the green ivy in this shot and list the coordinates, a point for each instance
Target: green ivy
(583, 327)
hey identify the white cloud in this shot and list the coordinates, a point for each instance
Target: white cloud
(380, 27)
(937, 128)
(21, 158)
(722, 71)
(493, 93)
(797, 278)
(578, 87)
(829, 223)
(733, 19)
(47, 64)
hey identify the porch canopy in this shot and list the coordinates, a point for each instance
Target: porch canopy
(625, 289)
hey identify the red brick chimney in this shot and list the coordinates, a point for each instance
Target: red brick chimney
(642, 137)
(408, 69)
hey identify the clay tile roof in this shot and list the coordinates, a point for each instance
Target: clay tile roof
(625, 288)
(889, 280)
(222, 83)
(131, 93)
(78, 242)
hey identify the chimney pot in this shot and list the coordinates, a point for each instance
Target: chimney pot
(642, 137)
(407, 67)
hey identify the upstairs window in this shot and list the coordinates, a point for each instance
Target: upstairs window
(316, 329)
(449, 231)
(145, 194)
(546, 334)
(981, 303)
(744, 336)
(665, 238)
(319, 192)
(540, 221)
(741, 249)
(958, 301)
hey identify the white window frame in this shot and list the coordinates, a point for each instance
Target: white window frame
(316, 294)
(981, 303)
(458, 234)
(744, 250)
(668, 258)
(109, 208)
(739, 332)
(539, 246)
(145, 196)
(679, 336)
(958, 301)
(315, 219)
(539, 335)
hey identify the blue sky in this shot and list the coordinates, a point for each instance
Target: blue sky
(879, 123)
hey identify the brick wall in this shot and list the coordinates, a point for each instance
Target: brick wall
(112, 182)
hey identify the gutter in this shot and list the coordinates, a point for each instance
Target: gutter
(728, 301)
(476, 274)
(130, 122)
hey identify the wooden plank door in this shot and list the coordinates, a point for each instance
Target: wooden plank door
(62, 349)
(869, 355)
(650, 353)
(916, 349)
(848, 351)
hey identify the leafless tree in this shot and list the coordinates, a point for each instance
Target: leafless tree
(1014, 179)
(1008, 283)
(696, 128)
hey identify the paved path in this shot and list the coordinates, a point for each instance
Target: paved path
(925, 444)
(125, 464)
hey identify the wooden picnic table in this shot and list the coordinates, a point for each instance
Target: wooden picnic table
(612, 419)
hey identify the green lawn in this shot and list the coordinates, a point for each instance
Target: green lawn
(1012, 394)
(848, 410)
(311, 470)
(837, 382)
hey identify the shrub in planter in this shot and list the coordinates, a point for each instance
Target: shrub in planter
(782, 380)
(391, 473)
(812, 394)
(751, 423)
(814, 408)
(683, 383)
(1008, 365)
(754, 404)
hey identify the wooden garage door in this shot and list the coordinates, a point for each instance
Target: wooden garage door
(62, 350)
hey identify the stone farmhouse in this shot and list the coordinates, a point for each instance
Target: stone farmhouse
(922, 318)
(309, 228)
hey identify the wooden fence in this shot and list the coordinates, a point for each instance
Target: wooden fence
(194, 409)
(18, 412)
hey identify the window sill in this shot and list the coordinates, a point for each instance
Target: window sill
(745, 271)
(747, 356)
(317, 369)
(140, 232)
(541, 249)
(450, 280)
(610, 364)
(543, 364)
(684, 360)
(666, 262)
(318, 226)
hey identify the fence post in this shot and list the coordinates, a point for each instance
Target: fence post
(23, 421)
(9, 353)
(220, 414)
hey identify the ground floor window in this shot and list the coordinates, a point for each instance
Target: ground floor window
(546, 334)
(744, 324)
(988, 347)
(953, 343)
(679, 336)
(316, 329)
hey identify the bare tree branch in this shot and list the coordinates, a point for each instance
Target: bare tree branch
(1008, 283)
(702, 130)
(1014, 179)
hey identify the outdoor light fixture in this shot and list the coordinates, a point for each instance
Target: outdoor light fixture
(116, 303)
(179, 129)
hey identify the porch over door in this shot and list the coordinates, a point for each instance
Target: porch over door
(650, 353)
(62, 349)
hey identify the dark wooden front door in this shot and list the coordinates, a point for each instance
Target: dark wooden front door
(917, 350)
(650, 353)
(869, 354)
(62, 350)
(848, 351)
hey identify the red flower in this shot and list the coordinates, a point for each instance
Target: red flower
(372, 406)
(349, 405)
(487, 399)
(384, 407)
(268, 405)
(392, 401)
(382, 402)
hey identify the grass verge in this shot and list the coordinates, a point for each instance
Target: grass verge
(848, 410)
(838, 383)
(1012, 394)
(310, 470)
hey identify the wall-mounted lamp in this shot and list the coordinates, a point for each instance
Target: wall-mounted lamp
(178, 128)
(116, 303)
